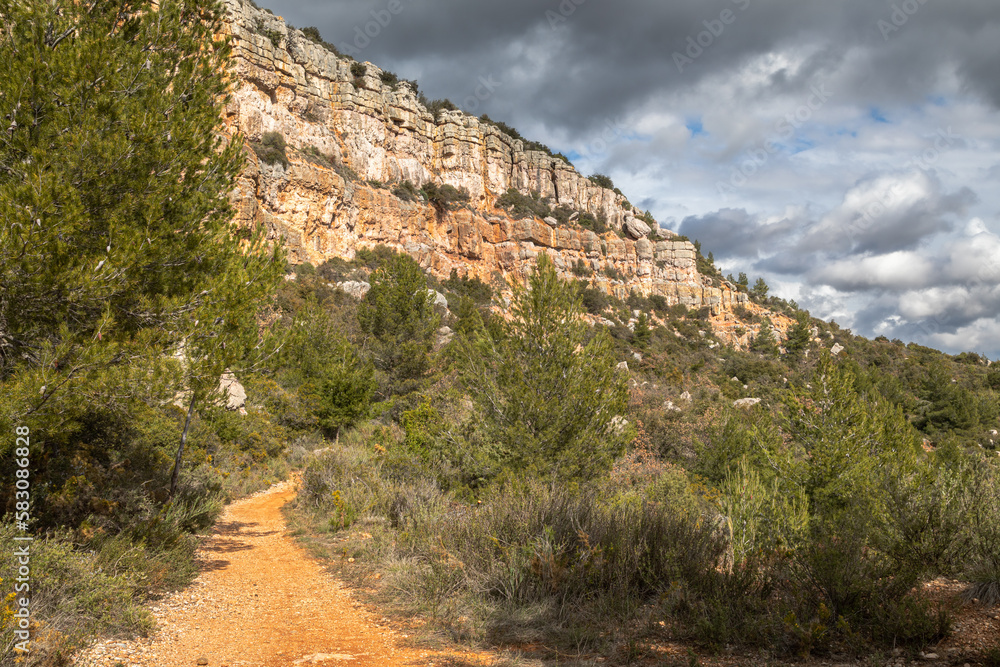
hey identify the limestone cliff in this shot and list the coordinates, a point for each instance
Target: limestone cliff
(382, 134)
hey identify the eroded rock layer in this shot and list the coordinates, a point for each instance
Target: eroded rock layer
(350, 138)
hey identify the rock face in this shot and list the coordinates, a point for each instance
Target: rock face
(351, 138)
(357, 289)
(232, 391)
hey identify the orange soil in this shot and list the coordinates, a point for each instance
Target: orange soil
(260, 601)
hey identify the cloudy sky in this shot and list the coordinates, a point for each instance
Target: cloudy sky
(847, 151)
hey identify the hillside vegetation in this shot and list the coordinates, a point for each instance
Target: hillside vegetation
(523, 487)
(521, 477)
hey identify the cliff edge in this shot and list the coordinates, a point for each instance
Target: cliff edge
(354, 134)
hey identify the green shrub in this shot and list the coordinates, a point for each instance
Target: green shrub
(602, 181)
(312, 34)
(597, 224)
(445, 196)
(582, 270)
(658, 304)
(473, 288)
(436, 107)
(359, 70)
(407, 191)
(73, 597)
(521, 206)
(271, 149)
(613, 272)
(313, 155)
(273, 36)
(593, 300)
(993, 379)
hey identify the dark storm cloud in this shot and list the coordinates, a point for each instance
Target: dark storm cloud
(573, 63)
(857, 208)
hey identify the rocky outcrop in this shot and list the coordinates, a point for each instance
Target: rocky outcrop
(350, 138)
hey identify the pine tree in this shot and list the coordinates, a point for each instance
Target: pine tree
(643, 333)
(800, 335)
(116, 250)
(546, 384)
(764, 342)
(759, 290)
(398, 314)
(850, 440)
(326, 369)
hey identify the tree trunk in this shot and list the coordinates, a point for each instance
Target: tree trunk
(180, 450)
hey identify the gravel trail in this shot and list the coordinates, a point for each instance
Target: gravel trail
(260, 601)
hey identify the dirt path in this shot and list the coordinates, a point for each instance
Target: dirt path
(260, 601)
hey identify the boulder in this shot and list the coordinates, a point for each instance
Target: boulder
(233, 391)
(355, 288)
(439, 299)
(746, 402)
(636, 228)
(618, 424)
(444, 335)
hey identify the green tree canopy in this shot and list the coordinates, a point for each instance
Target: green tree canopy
(398, 314)
(760, 289)
(546, 382)
(116, 249)
(327, 369)
(764, 342)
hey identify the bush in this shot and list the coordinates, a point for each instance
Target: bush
(313, 155)
(273, 36)
(593, 300)
(359, 70)
(521, 206)
(312, 34)
(602, 181)
(75, 596)
(613, 272)
(993, 379)
(598, 224)
(407, 191)
(445, 196)
(271, 149)
(437, 106)
(473, 288)
(582, 270)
